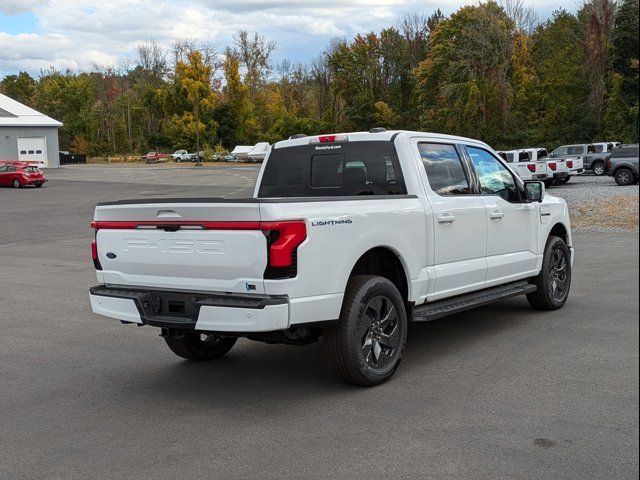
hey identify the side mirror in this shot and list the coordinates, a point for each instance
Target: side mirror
(534, 191)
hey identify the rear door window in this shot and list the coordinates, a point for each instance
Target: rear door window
(335, 169)
(575, 150)
(444, 169)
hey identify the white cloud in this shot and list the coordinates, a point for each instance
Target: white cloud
(79, 33)
(12, 7)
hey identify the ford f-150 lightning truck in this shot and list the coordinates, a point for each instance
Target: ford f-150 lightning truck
(347, 238)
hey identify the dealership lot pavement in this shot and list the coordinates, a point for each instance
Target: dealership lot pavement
(501, 392)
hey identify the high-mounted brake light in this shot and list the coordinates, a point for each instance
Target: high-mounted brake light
(329, 139)
(553, 166)
(532, 168)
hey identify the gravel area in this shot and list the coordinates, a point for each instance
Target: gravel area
(597, 204)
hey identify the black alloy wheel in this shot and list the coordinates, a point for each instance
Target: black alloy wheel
(379, 332)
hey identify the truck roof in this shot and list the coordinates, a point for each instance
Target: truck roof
(382, 136)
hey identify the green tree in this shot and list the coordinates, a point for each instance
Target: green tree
(562, 91)
(21, 87)
(463, 83)
(616, 110)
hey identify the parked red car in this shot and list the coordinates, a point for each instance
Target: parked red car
(154, 157)
(19, 174)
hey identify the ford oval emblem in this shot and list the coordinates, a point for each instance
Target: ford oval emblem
(111, 255)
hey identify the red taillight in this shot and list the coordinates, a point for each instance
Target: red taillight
(570, 163)
(552, 166)
(532, 168)
(609, 164)
(289, 236)
(94, 255)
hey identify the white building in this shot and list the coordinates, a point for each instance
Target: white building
(26, 134)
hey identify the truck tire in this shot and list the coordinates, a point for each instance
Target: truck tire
(554, 280)
(564, 180)
(624, 177)
(549, 183)
(598, 168)
(367, 344)
(199, 346)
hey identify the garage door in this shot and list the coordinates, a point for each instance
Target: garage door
(32, 149)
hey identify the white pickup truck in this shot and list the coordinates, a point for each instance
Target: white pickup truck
(524, 167)
(560, 169)
(346, 238)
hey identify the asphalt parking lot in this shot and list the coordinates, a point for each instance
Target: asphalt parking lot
(500, 392)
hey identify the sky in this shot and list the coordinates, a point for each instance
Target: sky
(78, 34)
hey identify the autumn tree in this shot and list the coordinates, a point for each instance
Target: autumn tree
(194, 78)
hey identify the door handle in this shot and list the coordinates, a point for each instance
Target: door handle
(496, 215)
(446, 218)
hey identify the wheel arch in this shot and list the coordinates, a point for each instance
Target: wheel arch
(386, 262)
(559, 229)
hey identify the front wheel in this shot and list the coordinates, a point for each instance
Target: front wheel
(367, 344)
(200, 346)
(598, 169)
(624, 177)
(554, 280)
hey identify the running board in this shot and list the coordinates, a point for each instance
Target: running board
(460, 303)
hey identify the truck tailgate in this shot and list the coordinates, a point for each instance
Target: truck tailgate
(208, 246)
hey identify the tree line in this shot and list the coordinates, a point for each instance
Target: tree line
(489, 71)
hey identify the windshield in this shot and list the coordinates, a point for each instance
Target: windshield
(336, 169)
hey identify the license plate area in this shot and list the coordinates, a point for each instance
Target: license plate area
(169, 304)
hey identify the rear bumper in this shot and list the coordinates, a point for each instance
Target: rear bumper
(33, 181)
(215, 312)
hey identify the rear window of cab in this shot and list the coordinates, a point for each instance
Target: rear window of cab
(334, 169)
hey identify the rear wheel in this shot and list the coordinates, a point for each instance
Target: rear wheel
(598, 169)
(200, 346)
(624, 177)
(367, 344)
(564, 180)
(38, 185)
(549, 183)
(15, 183)
(554, 280)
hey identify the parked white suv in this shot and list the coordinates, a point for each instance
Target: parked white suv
(347, 237)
